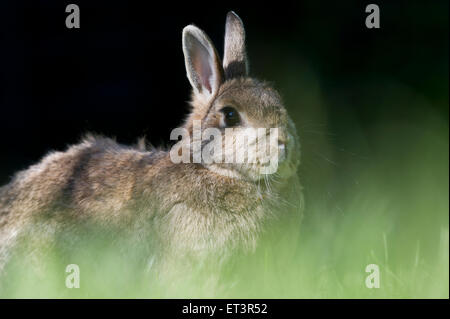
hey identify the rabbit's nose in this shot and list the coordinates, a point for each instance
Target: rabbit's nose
(282, 151)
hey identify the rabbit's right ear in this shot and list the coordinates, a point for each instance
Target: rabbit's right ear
(203, 66)
(235, 61)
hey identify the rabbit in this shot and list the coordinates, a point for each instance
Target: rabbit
(188, 209)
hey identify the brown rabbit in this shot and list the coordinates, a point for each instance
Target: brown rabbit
(187, 209)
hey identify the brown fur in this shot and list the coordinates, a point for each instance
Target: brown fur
(187, 209)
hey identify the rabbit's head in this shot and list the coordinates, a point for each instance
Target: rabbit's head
(246, 112)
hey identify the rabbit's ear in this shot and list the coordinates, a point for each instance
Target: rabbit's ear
(203, 66)
(235, 61)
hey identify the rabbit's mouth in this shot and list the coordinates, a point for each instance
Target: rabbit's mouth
(254, 163)
(277, 168)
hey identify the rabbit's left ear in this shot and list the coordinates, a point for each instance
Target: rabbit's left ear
(203, 66)
(235, 61)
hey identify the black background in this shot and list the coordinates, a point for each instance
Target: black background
(122, 74)
(275, 307)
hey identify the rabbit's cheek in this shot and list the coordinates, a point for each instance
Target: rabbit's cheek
(282, 153)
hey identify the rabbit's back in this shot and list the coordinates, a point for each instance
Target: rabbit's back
(97, 178)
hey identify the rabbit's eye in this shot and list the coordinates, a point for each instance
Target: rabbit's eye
(231, 116)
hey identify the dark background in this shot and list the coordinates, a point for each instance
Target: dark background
(122, 74)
